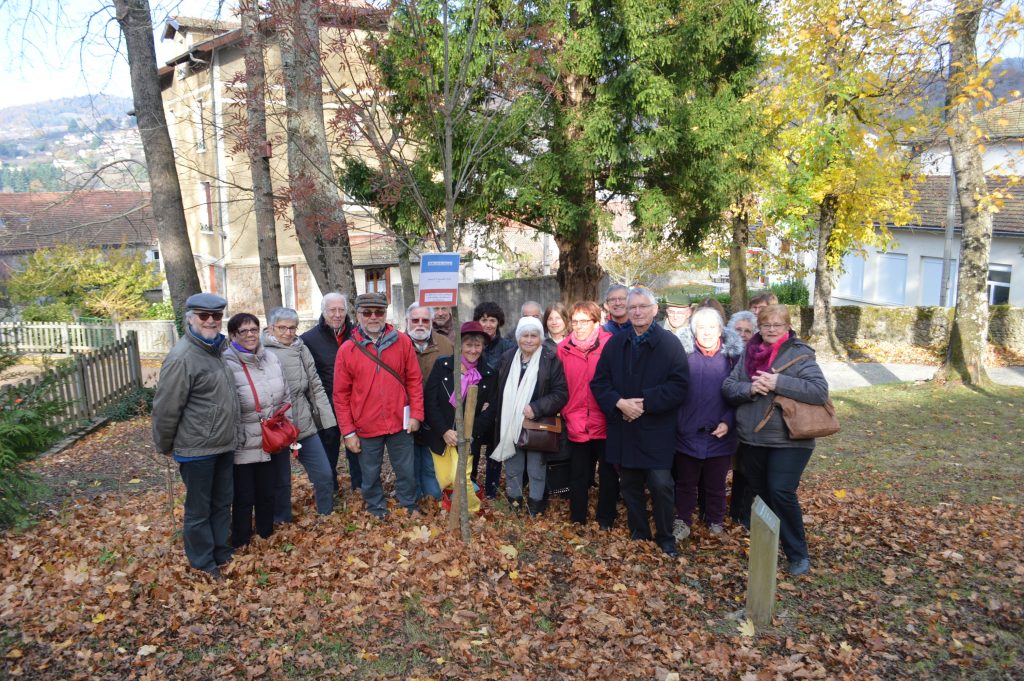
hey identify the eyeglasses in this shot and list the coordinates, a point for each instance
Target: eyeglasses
(419, 320)
(577, 322)
(249, 332)
(204, 316)
(615, 300)
(638, 308)
(286, 329)
(373, 312)
(772, 326)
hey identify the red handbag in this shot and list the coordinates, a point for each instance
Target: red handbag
(279, 432)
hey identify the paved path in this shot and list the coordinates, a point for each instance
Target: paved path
(847, 375)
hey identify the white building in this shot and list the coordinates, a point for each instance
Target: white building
(909, 273)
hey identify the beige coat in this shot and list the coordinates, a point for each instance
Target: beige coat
(311, 410)
(268, 377)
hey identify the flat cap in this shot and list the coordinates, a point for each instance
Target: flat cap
(371, 300)
(205, 301)
(677, 300)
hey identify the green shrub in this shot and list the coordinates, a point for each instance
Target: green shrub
(52, 312)
(137, 403)
(23, 436)
(159, 311)
(792, 292)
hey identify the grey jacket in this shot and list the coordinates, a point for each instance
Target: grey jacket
(268, 377)
(803, 382)
(195, 409)
(311, 410)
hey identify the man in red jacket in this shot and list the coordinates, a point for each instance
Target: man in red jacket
(378, 398)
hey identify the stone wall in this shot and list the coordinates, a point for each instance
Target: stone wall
(921, 326)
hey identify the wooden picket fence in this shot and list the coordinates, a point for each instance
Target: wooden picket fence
(85, 384)
(54, 337)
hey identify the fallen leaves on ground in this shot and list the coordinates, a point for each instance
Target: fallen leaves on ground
(102, 590)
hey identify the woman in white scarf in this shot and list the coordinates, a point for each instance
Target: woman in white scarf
(531, 382)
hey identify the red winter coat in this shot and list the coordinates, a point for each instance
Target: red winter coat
(368, 400)
(583, 416)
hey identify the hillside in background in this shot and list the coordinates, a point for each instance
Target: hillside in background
(86, 113)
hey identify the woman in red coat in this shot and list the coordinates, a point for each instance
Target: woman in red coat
(584, 419)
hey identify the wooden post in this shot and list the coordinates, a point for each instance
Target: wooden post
(764, 561)
(460, 488)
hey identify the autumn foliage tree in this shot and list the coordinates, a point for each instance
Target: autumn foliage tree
(845, 76)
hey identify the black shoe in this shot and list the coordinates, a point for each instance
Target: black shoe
(516, 504)
(536, 506)
(798, 567)
(669, 547)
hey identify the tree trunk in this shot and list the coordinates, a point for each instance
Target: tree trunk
(259, 155)
(175, 248)
(405, 270)
(579, 274)
(738, 259)
(823, 332)
(965, 357)
(320, 223)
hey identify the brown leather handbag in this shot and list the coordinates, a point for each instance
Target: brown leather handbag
(541, 435)
(804, 421)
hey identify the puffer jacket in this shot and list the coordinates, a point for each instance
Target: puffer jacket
(195, 409)
(803, 382)
(584, 419)
(705, 406)
(311, 409)
(268, 377)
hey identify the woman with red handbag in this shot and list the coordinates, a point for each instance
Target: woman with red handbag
(262, 392)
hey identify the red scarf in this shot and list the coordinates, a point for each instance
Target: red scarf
(761, 356)
(588, 345)
(709, 352)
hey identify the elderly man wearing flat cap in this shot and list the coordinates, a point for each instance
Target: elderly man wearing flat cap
(378, 398)
(195, 416)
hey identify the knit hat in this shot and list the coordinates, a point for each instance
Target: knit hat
(529, 324)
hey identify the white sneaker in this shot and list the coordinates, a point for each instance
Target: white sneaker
(680, 530)
(716, 528)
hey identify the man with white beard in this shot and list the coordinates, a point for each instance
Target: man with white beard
(429, 346)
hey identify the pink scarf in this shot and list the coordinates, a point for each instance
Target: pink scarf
(587, 345)
(470, 376)
(760, 356)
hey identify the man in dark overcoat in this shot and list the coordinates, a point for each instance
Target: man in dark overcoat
(640, 383)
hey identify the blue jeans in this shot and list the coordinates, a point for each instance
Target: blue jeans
(209, 489)
(426, 478)
(331, 439)
(314, 459)
(399, 446)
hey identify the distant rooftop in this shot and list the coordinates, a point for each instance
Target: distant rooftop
(934, 198)
(34, 220)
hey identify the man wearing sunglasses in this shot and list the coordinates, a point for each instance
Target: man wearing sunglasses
(378, 398)
(195, 416)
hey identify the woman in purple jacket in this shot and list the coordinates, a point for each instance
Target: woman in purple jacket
(705, 438)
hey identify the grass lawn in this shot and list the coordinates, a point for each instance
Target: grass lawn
(914, 522)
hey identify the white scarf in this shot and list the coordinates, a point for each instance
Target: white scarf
(514, 399)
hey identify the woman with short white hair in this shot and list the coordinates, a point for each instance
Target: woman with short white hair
(531, 384)
(705, 433)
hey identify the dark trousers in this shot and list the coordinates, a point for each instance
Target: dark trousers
(706, 475)
(209, 487)
(582, 458)
(774, 475)
(660, 484)
(741, 499)
(492, 469)
(254, 492)
(331, 439)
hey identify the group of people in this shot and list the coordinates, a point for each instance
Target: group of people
(664, 410)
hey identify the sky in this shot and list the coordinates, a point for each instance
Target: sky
(45, 56)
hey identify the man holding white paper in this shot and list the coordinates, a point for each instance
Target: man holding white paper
(378, 398)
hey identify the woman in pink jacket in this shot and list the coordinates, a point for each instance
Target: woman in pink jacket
(584, 419)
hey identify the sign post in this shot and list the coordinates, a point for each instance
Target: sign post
(439, 279)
